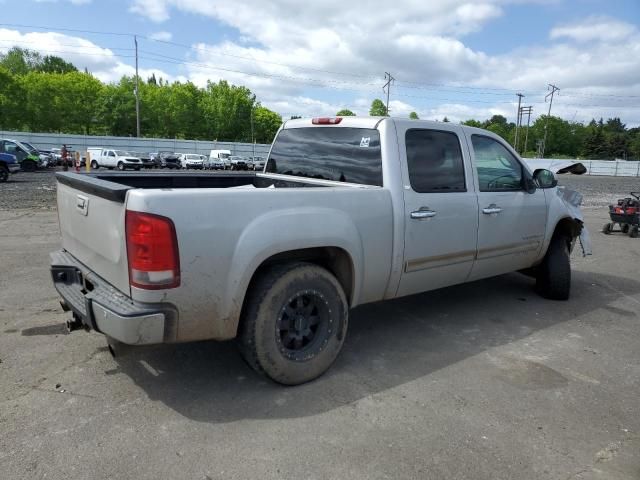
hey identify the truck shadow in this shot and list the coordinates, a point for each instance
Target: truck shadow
(389, 344)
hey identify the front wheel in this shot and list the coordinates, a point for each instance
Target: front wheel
(28, 166)
(294, 323)
(120, 166)
(634, 232)
(4, 174)
(607, 228)
(553, 279)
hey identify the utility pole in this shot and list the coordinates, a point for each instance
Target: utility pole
(554, 89)
(527, 111)
(135, 40)
(387, 88)
(515, 141)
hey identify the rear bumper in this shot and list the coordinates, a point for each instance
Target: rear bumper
(101, 307)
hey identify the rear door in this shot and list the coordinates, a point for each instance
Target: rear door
(441, 208)
(511, 221)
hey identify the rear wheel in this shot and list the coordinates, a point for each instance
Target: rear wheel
(4, 174)
(553, 278)
(94, 165)
(634, 232)
(120, 166)
(625, 228)
(606, 229)
(294, 323)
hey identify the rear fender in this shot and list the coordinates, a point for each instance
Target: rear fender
(282, 231)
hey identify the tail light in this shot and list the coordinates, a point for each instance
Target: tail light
(152, 251)
(326, 120)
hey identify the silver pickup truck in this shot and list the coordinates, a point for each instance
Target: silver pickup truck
(347, 211)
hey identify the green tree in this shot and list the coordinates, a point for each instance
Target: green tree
(345, 112)
(378, 109)
(472, 123)
(413, 116)
(53, 64)
(265, 124)
(11, 100)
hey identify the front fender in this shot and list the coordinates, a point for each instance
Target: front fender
(282, 231)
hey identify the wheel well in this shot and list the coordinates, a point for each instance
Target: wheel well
(569, 228)
(334, 259)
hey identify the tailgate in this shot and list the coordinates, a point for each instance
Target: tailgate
(92, 229)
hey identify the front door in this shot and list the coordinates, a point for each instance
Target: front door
(511, 221)
(441, 208)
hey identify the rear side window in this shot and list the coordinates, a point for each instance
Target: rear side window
(330, 153)
(434, 159)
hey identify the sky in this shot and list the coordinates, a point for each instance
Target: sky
(456, 58)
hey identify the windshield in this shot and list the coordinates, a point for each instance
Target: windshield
(224, 155)
(193, 157)
(330, 153)
(30, 148)
(122, 153)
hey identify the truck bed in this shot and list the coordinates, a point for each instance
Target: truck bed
(114, 185)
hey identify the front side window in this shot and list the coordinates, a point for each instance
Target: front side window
(498, 170)
(341, 154)
(434, 160)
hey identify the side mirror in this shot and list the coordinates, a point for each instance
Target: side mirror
(544, 178)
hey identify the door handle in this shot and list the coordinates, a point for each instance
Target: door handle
(493, 208)
(419, 214)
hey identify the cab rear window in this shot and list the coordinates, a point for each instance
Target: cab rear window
(342, 154)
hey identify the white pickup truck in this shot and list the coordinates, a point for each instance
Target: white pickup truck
(347, 211)
(111, 158)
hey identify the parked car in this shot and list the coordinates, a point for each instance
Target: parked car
(145, 158)
(398, 207)
(170, 160)
(28, 157)
(219, 160)
(120, 159)
(155, 158)
(8, 164)
(56, 154)
(238, 163)
(192, 161)
(256, 163)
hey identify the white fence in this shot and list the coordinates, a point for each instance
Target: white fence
(616, 168)
(46, 141)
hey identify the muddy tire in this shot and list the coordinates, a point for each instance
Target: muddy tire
(294, 323)
(607, 227)
(553, 279)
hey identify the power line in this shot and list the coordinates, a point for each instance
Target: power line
(387, 86)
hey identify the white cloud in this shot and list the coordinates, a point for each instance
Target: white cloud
(163, 36)
(155, 10)
(103, 63)
(417, 41)
(595, 28)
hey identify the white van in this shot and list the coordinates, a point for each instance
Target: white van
(219, 159)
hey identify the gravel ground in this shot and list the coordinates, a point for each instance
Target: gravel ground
(485, 380)
(37, 190)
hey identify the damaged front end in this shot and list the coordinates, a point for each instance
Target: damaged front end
(571, 200)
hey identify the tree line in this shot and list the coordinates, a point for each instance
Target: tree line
(597, 140)
(47, 94)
